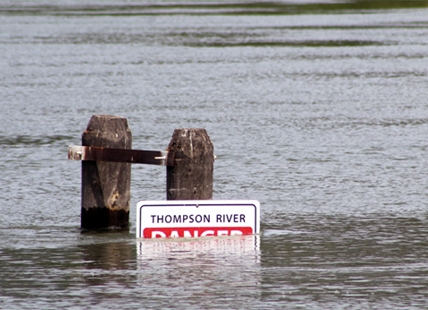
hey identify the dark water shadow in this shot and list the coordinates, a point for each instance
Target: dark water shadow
(208, 8)
(27, 140)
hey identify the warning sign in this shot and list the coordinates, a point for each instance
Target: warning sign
(197, 218)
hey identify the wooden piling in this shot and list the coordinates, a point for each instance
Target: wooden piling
(106, 185)
(191, 176)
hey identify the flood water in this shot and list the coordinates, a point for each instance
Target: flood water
(318, 110)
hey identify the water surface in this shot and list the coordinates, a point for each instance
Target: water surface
(317, 110)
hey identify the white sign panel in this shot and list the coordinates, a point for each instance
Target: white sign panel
(197, 218)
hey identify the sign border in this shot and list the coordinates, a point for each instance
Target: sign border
(195, 203)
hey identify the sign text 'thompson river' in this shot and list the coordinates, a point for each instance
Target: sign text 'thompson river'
(197, 218)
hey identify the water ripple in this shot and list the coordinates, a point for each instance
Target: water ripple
(23, 140)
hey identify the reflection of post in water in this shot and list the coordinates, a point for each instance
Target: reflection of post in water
(100, 259)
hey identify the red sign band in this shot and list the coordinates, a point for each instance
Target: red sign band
(194, 232)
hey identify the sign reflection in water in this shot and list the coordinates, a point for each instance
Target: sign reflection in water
(206, 271)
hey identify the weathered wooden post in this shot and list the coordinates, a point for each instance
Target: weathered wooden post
(106, 185)
(191, 175)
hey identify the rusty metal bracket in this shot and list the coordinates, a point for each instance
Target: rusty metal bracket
(96, 153)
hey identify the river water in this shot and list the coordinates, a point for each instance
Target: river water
(317, 110)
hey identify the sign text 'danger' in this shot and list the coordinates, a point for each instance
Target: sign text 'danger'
(192, 232)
